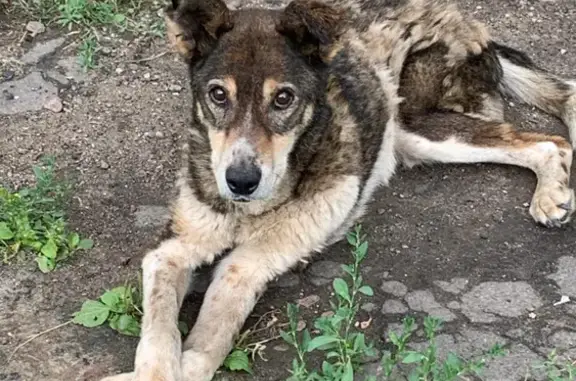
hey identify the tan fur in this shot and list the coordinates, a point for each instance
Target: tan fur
(176, 38)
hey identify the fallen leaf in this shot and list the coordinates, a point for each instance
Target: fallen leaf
(563, 300)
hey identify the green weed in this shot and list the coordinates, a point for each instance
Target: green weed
(344, 347)
(87, 52)
(558, 370)
(94, 18)
(425, 364)
(120, 308)
(33, 220)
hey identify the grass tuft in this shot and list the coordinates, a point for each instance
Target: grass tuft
(32, 220)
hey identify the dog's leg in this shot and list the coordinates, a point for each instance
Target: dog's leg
(458, 139)
(268, 246)
(166, 276)
(201, 235)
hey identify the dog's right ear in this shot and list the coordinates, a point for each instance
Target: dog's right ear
(194, 26)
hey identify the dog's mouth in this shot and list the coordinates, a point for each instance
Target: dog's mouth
(241, 199)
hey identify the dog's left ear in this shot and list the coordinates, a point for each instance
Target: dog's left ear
(313, 27)
(194, 26)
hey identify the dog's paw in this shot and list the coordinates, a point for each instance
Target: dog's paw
(198, 366)
(553, 207)
(120, 377)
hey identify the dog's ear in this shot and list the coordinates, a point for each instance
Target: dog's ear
(313, 27)
(194, 26)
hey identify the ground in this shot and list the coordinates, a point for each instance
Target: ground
(452, 241)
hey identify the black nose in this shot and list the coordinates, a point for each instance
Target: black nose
(243, 179)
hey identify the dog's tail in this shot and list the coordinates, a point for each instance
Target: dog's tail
(525, 81)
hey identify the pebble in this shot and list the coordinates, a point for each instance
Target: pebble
(54, 104)
(35, 28)
(175, 88)
(104, 165)
(308, 301)
(147, 76)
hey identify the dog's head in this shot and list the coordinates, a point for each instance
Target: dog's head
(256, 77)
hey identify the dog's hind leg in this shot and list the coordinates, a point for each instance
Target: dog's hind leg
(455, 138)
(522, 79)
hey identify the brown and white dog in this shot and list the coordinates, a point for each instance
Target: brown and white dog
(299, 114)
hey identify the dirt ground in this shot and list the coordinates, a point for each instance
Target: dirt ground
(452, 241)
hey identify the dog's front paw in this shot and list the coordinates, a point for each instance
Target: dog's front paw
(198, 366)
(553, 206)
(120, 377)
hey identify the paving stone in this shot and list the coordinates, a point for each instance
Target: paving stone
(72, 69)
(151, 216)
(467, 343)
(485, 302)
(515, 366)
(322, 272)
(61, 79)
(368, 307)
(286, 280)
(394, 288)
(423, 300)
(397, 328)
(41, 50)
(27, 94)
(374, 371)
(455, 286)
(563, 339)
(392, 306)
(564, 276)
(515, 333)
(454, 305)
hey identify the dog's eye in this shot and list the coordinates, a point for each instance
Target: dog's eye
(218, 95)
(283, 99)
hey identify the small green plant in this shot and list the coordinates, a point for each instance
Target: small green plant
(238, 360)
(86, 13)
(120, 308)
(558, 370)
(92, 19)
(343, 345)
(87, 52)
(425, 364)
(32, 220)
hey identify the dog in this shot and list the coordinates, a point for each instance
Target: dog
(299, 114)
